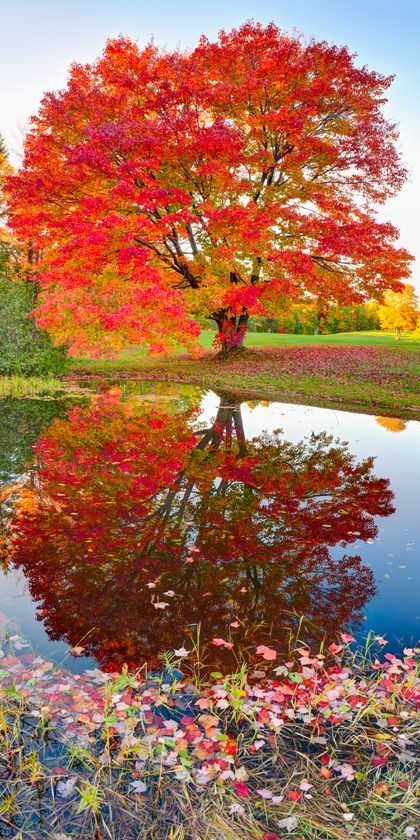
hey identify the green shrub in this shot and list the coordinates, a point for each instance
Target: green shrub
(25, 349)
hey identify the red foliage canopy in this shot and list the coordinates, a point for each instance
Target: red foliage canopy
(222, 181)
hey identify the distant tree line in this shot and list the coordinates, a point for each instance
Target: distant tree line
(309, 318)
(398, 313)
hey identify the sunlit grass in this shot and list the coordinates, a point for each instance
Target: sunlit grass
(136, 354)
(373, 338)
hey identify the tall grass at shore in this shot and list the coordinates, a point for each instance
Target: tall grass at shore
(22, 386)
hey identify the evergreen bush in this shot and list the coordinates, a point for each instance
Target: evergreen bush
(25, 349)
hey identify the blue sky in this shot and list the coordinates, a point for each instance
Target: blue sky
(40, 40)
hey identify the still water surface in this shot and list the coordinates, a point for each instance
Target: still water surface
(132, 518)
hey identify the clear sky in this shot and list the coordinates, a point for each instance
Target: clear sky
(40, 38)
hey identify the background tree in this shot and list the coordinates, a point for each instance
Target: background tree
(225, 181)
(399, 311)
(25, 349)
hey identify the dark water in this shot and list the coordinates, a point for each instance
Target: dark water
(133, 518)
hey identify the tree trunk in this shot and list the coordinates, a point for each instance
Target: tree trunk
(232, 329)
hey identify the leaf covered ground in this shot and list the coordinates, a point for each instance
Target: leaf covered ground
(319, 746)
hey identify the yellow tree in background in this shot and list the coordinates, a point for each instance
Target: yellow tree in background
(399, 311)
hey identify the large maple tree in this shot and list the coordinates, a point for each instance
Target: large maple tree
(220, 182)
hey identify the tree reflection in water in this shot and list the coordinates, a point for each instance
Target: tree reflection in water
(129, 507)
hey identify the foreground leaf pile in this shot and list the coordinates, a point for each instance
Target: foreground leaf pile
(321, 746)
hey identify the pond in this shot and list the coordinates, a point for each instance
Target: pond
(153, 517)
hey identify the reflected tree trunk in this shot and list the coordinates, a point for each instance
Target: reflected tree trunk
(228, 428)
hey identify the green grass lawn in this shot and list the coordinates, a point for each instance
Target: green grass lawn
(374, 338)
(259, 339)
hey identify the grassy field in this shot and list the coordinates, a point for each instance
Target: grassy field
(366, 339)
(134, 354)
(369, 372)
(258, 339)
(365, 371)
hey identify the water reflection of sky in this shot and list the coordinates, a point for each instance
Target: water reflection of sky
(393, 555)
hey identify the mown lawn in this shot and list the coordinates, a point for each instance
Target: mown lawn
(369, 372)
(372, 338)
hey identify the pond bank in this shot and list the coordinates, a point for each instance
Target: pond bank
(369, 380)
(373, 380)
